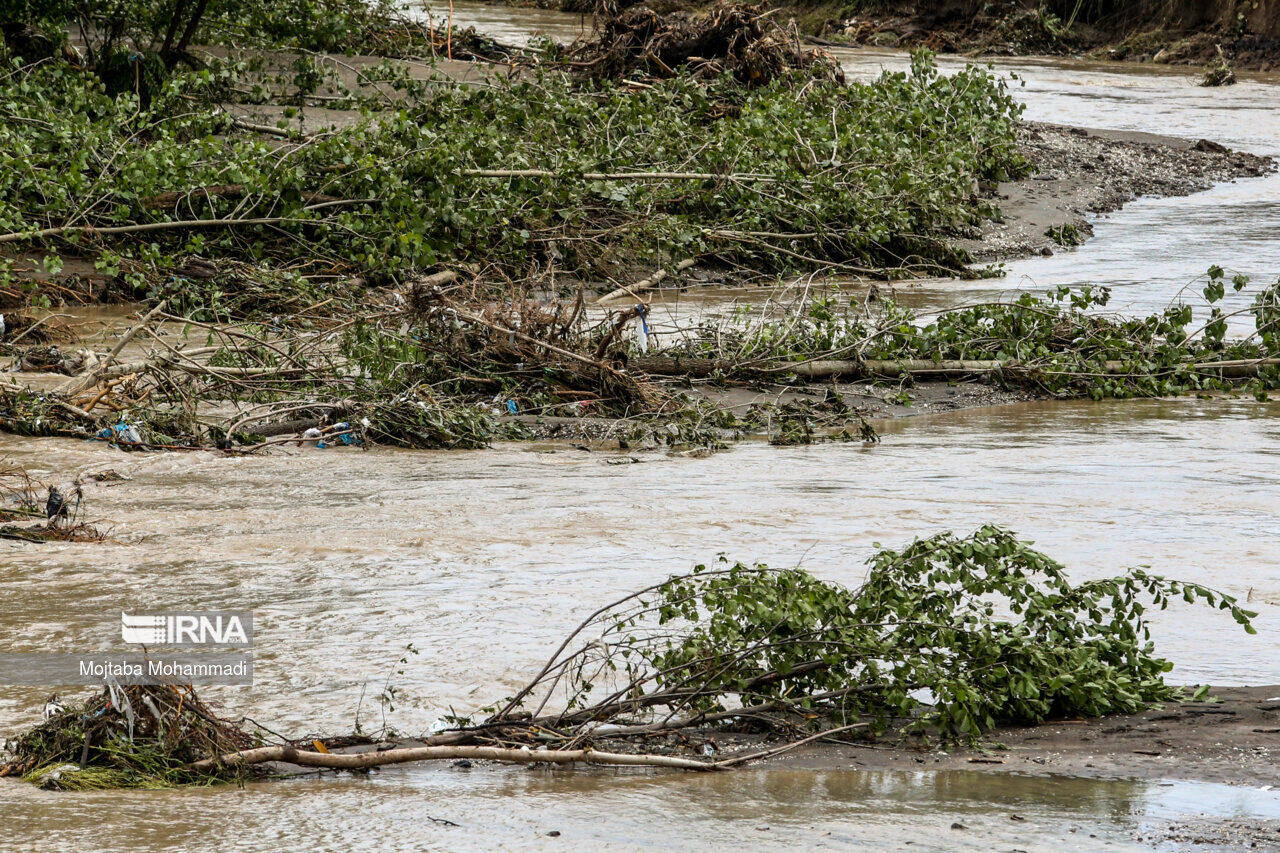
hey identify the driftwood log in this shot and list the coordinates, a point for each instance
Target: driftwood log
(365, 760)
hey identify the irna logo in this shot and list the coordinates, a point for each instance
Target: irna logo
(191, 628)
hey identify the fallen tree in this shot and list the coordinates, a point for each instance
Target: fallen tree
(1061, 344)
(440, 362)
(948, 638)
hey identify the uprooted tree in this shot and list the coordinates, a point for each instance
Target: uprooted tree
(949, 637)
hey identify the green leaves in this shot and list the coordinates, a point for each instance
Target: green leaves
(949, 634)
(839, 173)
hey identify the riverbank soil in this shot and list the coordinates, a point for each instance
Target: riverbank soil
(1180, 32)
(1232, 737)
(1087, 172)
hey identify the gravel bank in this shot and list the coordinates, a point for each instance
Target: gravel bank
(1083, 173)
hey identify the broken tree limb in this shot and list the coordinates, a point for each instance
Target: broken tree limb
(735, 760)
(89, 378)
(697, 368)
(645, 284)
(223, 191)
(424, 286)
(896, 367)
(923, 368)
(286, 427)
(618, 176)
(187, 224)
(365, 760)
(269, 130)
(706, 717)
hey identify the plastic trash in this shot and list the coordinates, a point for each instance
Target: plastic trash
(121, 432)
(642, 329)
(512, 408)
(314, 437)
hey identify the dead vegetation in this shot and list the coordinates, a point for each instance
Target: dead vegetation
(742, 40)
(57, 510)
(127, 736)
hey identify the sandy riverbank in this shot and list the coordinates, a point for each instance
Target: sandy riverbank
(1234, 738)
(1084, 172)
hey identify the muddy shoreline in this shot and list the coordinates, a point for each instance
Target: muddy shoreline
(1086, 172)
(1233, 740)
(1189, 34)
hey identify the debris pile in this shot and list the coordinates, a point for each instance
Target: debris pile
(56, 509)
(734, 38)
(127, 736)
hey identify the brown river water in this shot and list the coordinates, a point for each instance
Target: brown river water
(483, 560)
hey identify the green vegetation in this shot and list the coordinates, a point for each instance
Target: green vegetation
(1065, 235)
(1059, 344)
(951, 636)
(168, 30)
(786, 175)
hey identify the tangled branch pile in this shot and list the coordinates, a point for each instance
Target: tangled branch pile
(128, 736)
(430, 365)
(447, 362)
(729, 38)
(25, 505)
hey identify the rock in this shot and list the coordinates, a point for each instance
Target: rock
(1211, 147)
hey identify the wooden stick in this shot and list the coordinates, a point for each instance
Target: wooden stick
(29, 329)
(922, 367)
(786, 747)
(267, 129)
(645, 284)
(143, 227)
(364, 760)
(618, 176)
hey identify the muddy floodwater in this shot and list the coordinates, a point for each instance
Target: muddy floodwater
(504, 809)
(1152, 248)
(483, 560)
